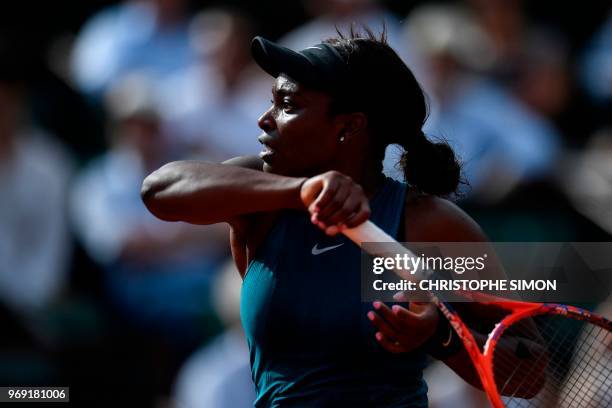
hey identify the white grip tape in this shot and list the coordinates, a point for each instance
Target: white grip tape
(370, 232)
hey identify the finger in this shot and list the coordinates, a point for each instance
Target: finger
(420, 308)
(335, 229)
(310, 190)
(401, 296)
(405, 315)
(328, 188)
(359, 217)
(334, 204)
(424, 311)
(382, 326)
(389, 316)
(401, 319)
(347, 209)
(388, 344)
(332, 231)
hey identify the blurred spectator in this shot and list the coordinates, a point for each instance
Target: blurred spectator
(500, 140)
(542, 80)
(34, 175)
(147, 35)
(504, 23)
(213, 106)
(531, 60)
(597, 64)
(157, 273)
(219, 374)
(587, 179)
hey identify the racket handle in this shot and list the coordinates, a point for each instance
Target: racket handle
(370, 232)
(367, 232)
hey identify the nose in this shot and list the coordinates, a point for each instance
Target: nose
(266, 121)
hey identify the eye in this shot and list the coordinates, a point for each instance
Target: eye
(287, 105)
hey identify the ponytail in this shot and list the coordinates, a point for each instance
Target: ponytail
(430, 166)
(396, 111)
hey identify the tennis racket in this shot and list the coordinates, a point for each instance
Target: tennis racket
(538, 355)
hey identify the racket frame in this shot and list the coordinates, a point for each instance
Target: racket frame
(482, 360)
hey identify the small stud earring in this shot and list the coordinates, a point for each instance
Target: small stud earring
(341, 139)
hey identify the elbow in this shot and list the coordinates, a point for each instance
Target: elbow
(176, 192)
(152, 192)
(150, 187)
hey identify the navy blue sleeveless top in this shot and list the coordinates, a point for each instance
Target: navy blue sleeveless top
(310, 341)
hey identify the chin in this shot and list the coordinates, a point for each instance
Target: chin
(274, 169)
(267, 168)
(279, 170)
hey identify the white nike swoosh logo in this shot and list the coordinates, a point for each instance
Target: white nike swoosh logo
(319, 251)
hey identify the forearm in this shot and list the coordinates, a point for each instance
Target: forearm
(207, 193)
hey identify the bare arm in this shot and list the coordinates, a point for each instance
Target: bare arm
(207, 193)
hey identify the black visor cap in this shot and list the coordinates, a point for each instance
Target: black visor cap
(319, 66)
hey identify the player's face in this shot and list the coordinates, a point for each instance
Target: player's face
(300, 136)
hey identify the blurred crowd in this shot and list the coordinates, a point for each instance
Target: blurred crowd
(97, 294)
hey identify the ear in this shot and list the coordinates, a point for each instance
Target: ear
(351, 125)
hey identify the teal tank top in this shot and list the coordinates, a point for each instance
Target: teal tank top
(310, 341)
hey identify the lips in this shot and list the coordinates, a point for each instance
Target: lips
(266, 154)
(268, 151)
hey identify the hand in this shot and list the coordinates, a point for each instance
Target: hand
(401, 330)
(335, 202)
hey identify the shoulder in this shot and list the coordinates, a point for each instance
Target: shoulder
(434, 219)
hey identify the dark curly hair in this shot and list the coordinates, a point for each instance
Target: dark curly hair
(386, 91)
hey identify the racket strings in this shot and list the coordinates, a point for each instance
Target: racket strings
(592, 374)
(566, 363)
(553, 342)
(519, 373)
(562, 351)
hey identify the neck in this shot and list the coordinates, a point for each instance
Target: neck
(363, 170)
(373, 182)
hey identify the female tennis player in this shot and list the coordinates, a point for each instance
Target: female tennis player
(335, 107)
